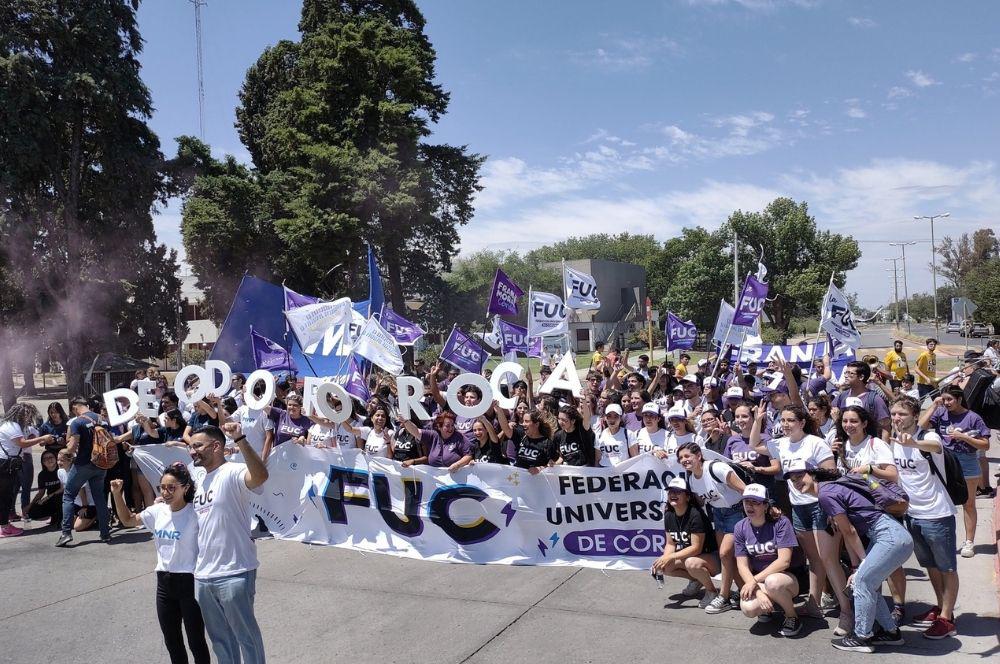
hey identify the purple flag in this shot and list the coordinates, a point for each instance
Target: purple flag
(403, 331)
(503, 298)
(679, 333)
(269, 354)
(751, 301)
(514, 338)
(354, 381)
(463, 352)
(295, 300)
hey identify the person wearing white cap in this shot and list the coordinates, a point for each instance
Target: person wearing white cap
(692, 394)
(710, 389)
(800, 444)
(651, 437)
(690, 550)
(615, 441)
(680, 429)
(717, 484)
(731, 398)
(767, 552)
(632, 417)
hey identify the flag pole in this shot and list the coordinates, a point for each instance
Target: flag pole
(819, 330)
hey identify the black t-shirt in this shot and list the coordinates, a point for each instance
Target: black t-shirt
(530, 452)
(490, 452)
(48, 480)
(576, 447)
(693, 521)
(83, 426)
(406, 446)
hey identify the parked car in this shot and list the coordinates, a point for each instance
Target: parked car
(973, 329)
(954, 326)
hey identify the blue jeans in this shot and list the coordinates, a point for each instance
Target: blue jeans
(93, 477)
(27, 478)
(227, 609)
(889, 546)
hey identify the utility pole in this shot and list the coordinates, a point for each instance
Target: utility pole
(932, 217)
(736, 270)
(906, 291)
(198, 4)
(895, 286)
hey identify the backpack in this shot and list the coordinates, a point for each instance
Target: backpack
(104, 452)
(982, 398)
(954, 478)
(746, 475)
(886, 495)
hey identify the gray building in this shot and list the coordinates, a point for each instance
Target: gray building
(622, 290)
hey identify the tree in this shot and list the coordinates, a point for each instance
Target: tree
(701, 274)
(958, 258)
(336, 126)
(80, 172)
(982, 284)
(799, 257)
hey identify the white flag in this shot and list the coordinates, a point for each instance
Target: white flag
(312, 321)
(546, 315)
(580, 289)
(723, 325)
(377, 345)
(493, 337)
(837, 319)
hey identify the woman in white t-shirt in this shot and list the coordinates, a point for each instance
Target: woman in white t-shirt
(652, 437)
(174, 526)
(614, 441)
(17, 434)
(799, 440)
(679, 431)
(857, 447)
(717, 484)
(378, 438)
(930, 517)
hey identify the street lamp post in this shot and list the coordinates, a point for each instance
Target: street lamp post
(895, 286)
(932, 217)
(906, 291)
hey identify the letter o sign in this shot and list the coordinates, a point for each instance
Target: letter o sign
(462, 380)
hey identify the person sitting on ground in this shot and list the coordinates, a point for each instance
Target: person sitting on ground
(690, 551)
(767, 553)
(47, 503)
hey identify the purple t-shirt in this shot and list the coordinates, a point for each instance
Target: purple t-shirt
(442, 453)
(632, 421)
(837, 499)
(286, 427)
(738, 449)
(463, 425)
(760, 545)
(869, 400)
(946, 423)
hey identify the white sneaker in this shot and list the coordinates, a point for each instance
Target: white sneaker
(692, 588)
(707, 599)
(968, 549)
(719, 604)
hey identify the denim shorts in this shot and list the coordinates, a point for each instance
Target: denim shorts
(934, 542)
(808, 517)
(970, 464)
(724, 519)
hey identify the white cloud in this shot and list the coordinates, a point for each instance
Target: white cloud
(755, 5)
(855, 112)
(920, 79)
(619, 53)
(965, 57)
(744, 134)
(899, 92)
(862, 22)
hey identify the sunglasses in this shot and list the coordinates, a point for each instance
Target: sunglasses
(167, 488)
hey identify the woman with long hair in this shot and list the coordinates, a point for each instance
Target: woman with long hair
(690, 550)
(529, 444)
(717, 484)
(889, 545)
(819, 409)
(680, 430)
(800, 442)
(17, 433)
(615, 442)
(377, 435)
(767, 553)
(174, 526)
(964, 433)
(739, 449)
(575, 441)
(857, 447)
(55, 425)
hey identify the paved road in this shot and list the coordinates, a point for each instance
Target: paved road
(94, 603)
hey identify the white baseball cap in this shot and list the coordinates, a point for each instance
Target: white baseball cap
(710, 382)
(677, 413)
(690, 378)
(613, 408)
(796, 466)
(755, 492)
(650, 408)
(679, 484)
(733, 393)
(702, 362)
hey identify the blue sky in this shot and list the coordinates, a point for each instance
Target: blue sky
(652, 116)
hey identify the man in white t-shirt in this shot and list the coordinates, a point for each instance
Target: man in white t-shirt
(226, 571)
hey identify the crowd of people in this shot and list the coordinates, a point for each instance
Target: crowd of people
(792, 502)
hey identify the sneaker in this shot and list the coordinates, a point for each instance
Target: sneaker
(927, 618)
(64, 539)
(10, 531)
(707, 599)
(898, 613)
(692, 588)
(828, 602)
(791, 627)
(811, 610)
(106, 538)
(719, 604)
(884, 638)
(968, 549)
(26, 521)
(940, 629)
(765, 617)
(984, 492)
(853, 644)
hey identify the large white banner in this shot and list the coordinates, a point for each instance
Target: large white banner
(486, 513)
